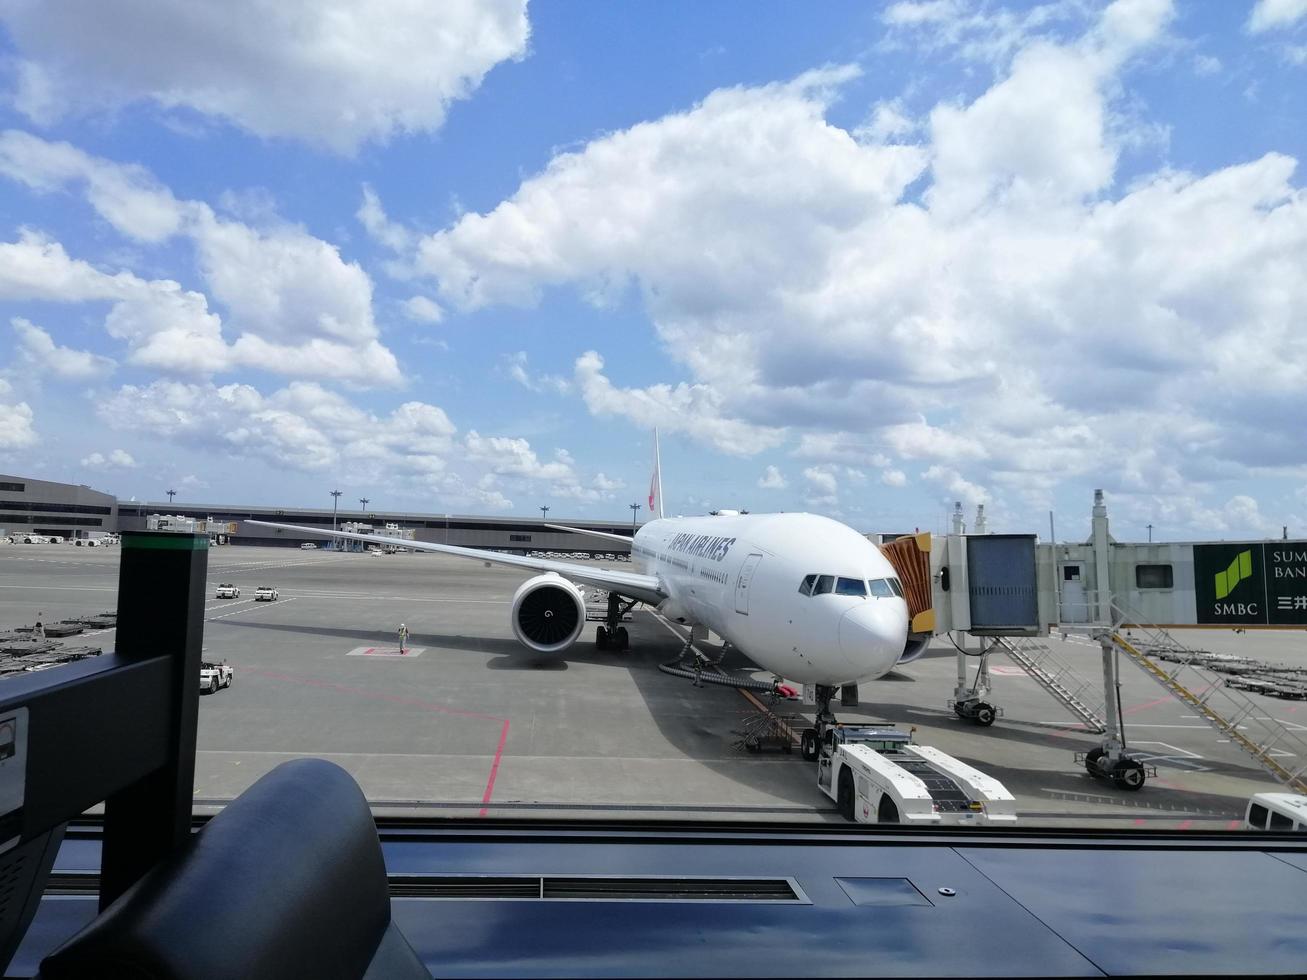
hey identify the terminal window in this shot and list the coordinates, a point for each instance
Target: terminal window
(519, 537)
(1154, 577)
(15, 487)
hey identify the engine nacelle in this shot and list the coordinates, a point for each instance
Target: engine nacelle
(915, 647)
(548, 613)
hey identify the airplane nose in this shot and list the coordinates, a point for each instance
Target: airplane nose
(872, 636)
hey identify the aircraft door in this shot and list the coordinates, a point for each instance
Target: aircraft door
(1075, 601)
(742, 584)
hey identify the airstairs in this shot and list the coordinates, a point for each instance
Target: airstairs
(1279, 748)
(1082, 698)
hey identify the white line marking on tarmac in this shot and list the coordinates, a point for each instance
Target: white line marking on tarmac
(211, 619)
(64, 588)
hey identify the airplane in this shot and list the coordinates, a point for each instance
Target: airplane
(805, 597)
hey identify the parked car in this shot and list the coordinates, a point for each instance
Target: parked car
(227, 591)
(265, 593)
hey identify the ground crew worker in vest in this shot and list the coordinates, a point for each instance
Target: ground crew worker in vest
(403, 638)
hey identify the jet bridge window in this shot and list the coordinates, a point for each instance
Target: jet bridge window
(881, 589)
(1154, 577)
(850, 586)
(806, 587)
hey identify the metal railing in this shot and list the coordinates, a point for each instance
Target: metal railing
(1081, 697)
(1278, 747)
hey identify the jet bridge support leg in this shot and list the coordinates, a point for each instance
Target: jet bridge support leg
(1111, 760)
(972, 702)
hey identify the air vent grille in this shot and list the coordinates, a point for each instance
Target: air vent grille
(597, 888)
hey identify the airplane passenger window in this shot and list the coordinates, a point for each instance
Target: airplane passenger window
(880, 588)
(851, 586)
(824, 584)
(806, 587)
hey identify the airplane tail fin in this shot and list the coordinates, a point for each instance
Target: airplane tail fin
(656, 482)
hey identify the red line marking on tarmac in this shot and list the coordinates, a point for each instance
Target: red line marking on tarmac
(368, 650)
(1147, 704)
(1185, 824)
(376, 695)
(1234, 825)
(494, 769)
(1140, 821)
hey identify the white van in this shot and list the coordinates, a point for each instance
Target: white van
(1277, 811)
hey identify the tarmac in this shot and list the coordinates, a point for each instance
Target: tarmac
(468, 722)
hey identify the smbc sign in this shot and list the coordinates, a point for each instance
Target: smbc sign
(1251, 584)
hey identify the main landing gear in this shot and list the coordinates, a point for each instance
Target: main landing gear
(612, 635)
(810, 741)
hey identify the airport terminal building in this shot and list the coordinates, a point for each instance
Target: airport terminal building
(65, 510)
(515, 534)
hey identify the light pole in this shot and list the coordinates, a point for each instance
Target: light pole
(335, 499)
(364, 502)
(171, 494)
(635, 509)
(1150, 534)
(544, 512)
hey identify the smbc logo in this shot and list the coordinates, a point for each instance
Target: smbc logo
(1240, 569)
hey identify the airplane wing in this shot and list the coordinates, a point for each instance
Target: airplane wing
(623, 538)
(633, 585)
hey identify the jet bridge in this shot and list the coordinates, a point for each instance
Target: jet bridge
(1002, 593)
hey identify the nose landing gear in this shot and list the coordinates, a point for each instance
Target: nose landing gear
(810, 740)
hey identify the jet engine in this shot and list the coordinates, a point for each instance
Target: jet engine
(915, 647)
(548, 613)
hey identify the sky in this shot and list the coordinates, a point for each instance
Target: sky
(860, 259)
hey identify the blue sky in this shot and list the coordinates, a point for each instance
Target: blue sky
(863, 261)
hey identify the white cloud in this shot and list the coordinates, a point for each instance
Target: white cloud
(117, 459)
(772, 479)
(913, 12)
(303, 426)
(300, 309)
(694, 410)
(16, 418)
(41, 353)
(888, 122)
(870, 299)
(423, 310)
(1268, 14)
(894, 478)
(379, 227)
(958, 486)
(822, 480)
(605, 484)
(1205, 65)
(514, 457)
(519, 370)
(333, 73)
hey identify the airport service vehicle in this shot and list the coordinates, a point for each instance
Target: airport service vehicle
(34, 539)
(88, 542)
(265, 593)
(227, 591)
(308, 546)
(55, 539)
(215, 676)
(877, 775)
(806, 598)
(1277, 811)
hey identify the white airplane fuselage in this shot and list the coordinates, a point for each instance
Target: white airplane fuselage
(740, 576)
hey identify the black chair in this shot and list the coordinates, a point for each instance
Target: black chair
(287, 881)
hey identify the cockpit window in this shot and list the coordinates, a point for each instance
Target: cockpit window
(850, 586)
(880, 588)
(896, 586)
(806, 587)
(824, 584)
